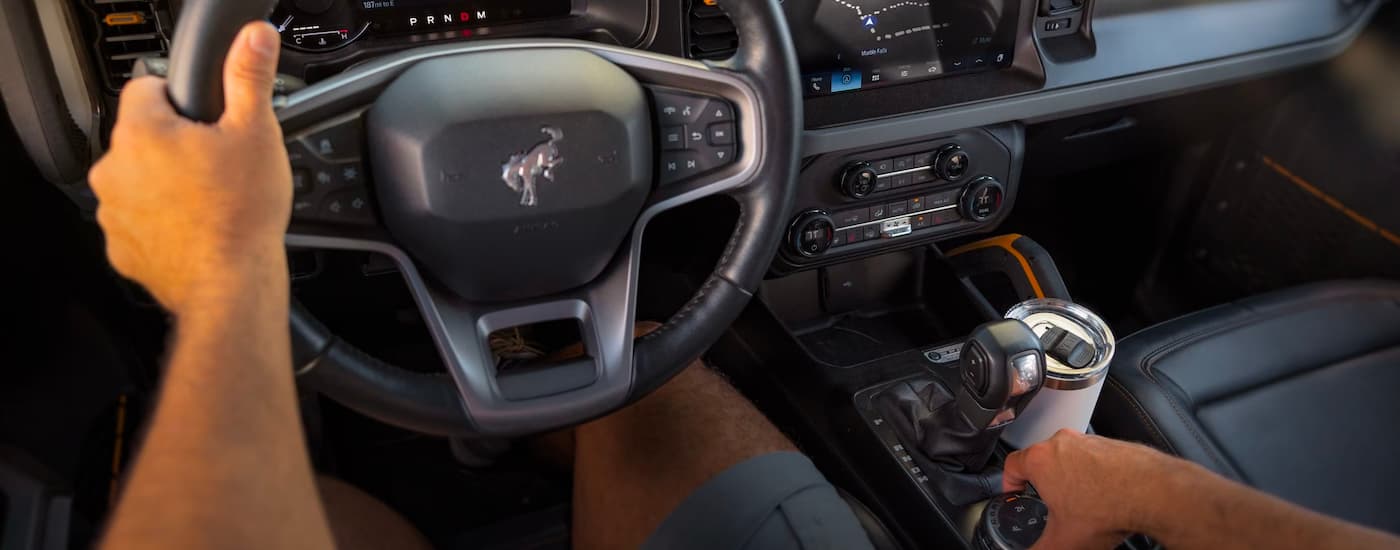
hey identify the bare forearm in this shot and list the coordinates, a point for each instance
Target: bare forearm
(1202, 510)
(224, 463)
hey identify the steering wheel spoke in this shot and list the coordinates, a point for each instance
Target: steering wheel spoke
(530, 397)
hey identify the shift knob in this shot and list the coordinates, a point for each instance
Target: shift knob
(1002, 367)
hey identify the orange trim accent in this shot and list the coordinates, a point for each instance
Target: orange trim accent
(124, 18)
(1004, 242)
(117, 449)
(1329, 200)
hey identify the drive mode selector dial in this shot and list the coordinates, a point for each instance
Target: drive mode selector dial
(859, 180)
(812, 233)
(982, 199)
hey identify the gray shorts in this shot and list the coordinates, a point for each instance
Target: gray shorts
(777, 500)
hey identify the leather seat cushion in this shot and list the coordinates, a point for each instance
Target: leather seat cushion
(1296, 393)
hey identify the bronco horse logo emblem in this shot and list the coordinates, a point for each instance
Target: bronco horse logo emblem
(520, 171)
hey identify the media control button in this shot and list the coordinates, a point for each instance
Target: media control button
(678, 165)
(673, 138)
(722, 134)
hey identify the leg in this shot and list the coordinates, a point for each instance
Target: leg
(633, 467)
(358, 520)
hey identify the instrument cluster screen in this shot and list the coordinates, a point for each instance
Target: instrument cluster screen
(849, 45)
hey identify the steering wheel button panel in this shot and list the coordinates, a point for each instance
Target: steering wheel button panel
(696, 133)
(326, 169)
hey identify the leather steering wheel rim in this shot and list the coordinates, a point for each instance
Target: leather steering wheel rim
(430, 403)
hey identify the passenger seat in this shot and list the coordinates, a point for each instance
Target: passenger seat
(1296, 393)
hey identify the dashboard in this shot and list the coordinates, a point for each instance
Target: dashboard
(914, 109)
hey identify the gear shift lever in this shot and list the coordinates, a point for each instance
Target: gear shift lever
(1002, 366)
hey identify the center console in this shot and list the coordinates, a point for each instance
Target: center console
(905, 376)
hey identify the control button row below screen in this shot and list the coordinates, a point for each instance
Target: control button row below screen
(894, 228)
(846, 218)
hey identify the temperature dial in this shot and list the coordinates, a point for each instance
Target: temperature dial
(811, 234)
(982, 199)
(317, 25)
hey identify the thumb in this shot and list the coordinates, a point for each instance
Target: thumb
(249, 72)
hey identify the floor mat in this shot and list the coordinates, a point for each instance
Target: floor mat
(1309, 193)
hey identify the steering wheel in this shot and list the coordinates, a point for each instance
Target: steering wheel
(513, 181)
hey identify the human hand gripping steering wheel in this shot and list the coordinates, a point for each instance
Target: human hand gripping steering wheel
(478, 256)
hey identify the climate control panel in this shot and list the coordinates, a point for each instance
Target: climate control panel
(906, 195)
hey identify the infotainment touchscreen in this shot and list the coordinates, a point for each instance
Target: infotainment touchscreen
(848, 45)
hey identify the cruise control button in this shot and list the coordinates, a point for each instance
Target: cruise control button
(679, 165)
(301, 182)
(303, 208)
(350, 173)
(341, 141)
(722, 134)
(350, 205)
(673, 138)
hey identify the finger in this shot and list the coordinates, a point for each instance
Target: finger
(1014, 475)
(249, 73)
(144, 97)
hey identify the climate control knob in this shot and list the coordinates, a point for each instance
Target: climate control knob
(952, 163)
(811, 233)
(982, 199)
(859, 180)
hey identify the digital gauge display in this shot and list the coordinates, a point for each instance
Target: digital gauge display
(317, 25)
(324, 25)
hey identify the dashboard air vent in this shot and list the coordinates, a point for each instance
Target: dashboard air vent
(711, 33)
(124, 31)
